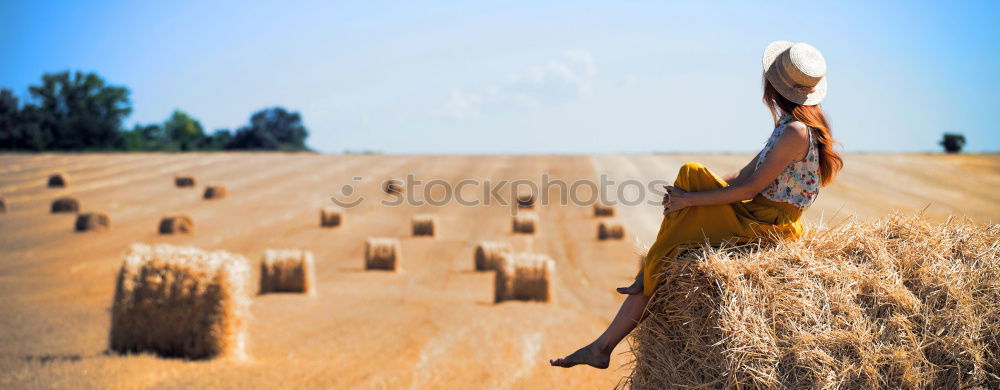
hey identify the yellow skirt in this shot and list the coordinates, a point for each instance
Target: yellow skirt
(694, 226)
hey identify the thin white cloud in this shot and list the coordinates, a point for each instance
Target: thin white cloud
(568, 77)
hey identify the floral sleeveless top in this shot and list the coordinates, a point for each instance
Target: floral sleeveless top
(798, 184)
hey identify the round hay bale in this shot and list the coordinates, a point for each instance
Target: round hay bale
(393, 186)
(489, 253)
(330, 217)
(3, 205)
(382, 254)
(184, 181)
(65, 205)
(177, 224)
(182, 302)
(603, 210)
(215, 192)
(58, 180)
(524, 277)
(288, 270)
(526, 201)
(424, 225)
(610, 230)
(92, 222)
(526, 223)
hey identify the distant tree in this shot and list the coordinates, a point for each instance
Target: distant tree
(184, 132)
(953, 142)
(76, 112)
(271, 129)
(219, 139)
(10, 120)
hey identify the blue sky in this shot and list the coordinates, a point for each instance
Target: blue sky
(524, 77)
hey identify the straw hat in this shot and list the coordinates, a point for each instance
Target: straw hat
(797, 71)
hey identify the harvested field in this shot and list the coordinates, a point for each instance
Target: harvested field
(288, 270)
(893, 303)
(65, 205)
(429, 327)
(180, 302)
(176, 224)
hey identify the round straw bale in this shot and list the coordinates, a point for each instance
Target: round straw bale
(65, 205)
(287, 270)
(215, 192)
(176, 224)
(603, 210)
(425, 225)
(525, 223)
(524, 277)
(182, 302)
(610, 230)
(184, 181)
(330, 216)
(382, 254)
(393, 186)
(526, 201)
(3, 205)
(58, 180)
(488, 254)
(92, 222)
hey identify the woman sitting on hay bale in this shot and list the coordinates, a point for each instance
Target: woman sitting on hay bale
(780, 183)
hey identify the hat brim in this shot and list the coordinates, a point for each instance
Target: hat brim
(771, 53)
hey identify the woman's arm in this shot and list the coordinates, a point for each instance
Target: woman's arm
(791, 145)
(742, 174)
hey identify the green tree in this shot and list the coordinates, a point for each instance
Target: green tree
(184, 132)
(77, 111)
(272, 129)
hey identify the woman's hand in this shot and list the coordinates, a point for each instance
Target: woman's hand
(674, 200)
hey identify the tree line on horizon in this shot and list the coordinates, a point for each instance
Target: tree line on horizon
(82, 112)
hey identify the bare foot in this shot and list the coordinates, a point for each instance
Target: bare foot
(590, 355)
(635, 288)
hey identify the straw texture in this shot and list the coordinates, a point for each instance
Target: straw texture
(524, 277)
(382, 254)
(180, 301)
(894, 303)
(288, 270)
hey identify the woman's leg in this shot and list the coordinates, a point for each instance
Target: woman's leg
(598, 353)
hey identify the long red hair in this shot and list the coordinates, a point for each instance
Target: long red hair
(830, 161)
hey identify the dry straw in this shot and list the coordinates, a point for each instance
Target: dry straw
(330, 217)
(526, 201)
(382, 254)
(524, 277)
(602, 210)
(181, 302)
(58, 180)
(393, 186)
(425, 225)
(215, 192)
(489, 253)
(894, 303)
(525, 223)
(288, 270)
(177, 224)
(610, 230)
(92, 222)
(65, 205)
(184, 181)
